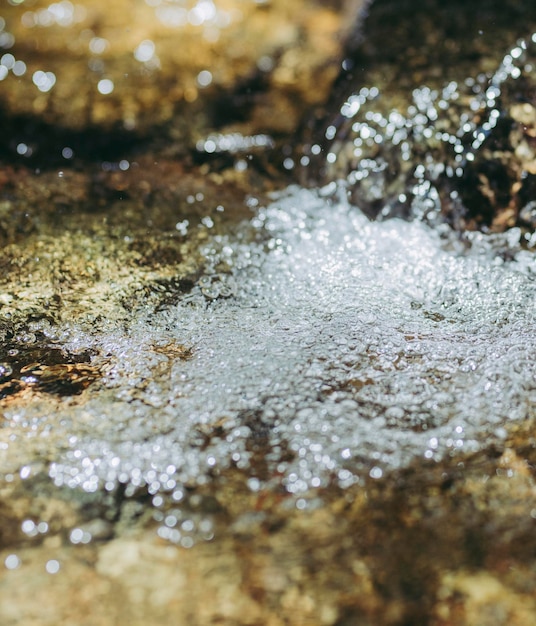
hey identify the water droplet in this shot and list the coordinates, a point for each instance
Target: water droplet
(52, 566)
(12, 562)
(204, 78)
(105, 86)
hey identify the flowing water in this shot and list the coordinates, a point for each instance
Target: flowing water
(347, 347)
(334, 347)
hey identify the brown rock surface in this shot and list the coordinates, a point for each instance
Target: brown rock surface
(93, 241)
(137, 65)
(437, 544)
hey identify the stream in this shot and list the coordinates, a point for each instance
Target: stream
(346, 346)
(267, 376)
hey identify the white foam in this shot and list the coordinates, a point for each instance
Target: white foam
(354, 345)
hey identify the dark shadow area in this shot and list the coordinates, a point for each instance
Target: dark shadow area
(45, 143)
(28, 360)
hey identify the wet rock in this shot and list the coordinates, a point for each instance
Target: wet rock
(497, 185)
(119, 70)
(436, 543)
(461, 111)
(319, 493)
(332, 499)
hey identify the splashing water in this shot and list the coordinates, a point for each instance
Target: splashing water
(430, 159)
(319, 348)
(346, 347)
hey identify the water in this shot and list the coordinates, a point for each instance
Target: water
(317, 348)
(334, 347)
(443, 152)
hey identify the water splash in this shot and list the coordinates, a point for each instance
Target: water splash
(443, 156)
(346, 347)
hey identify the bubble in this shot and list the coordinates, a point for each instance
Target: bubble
(8, 61)
(188, 525)
(266, 63)
(288, 163)
(29, 528)
(203, 11)
(19, 68)
(204, 78)
(98, 45)
(208, 146)
(187, 542)
(44, 81)
(78, 535)
(330, 133)
(376, 472)
(12, 562)
(52, 566)
(253, 484)
(145, 51)
(7, 40)
(182, 227)
(105, 86)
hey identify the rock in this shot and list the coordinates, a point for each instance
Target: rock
(133, 69)
(441, 542)
(95, 241)
(461, 110)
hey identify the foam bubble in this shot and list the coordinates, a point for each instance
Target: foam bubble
(345, 348)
